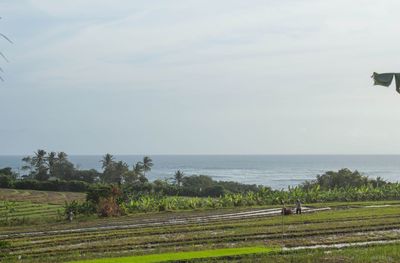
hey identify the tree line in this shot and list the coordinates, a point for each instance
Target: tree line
(55, 172)
(43, 166)
(343, 185)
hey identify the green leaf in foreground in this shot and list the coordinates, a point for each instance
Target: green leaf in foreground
(224, 252)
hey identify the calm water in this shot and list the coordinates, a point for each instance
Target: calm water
(277, 171)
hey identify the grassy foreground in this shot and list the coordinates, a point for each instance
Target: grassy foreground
(213, 253)
(212, 235)
(373, 254)
(377, 253)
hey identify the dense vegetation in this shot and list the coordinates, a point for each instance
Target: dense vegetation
(132, 201)
(343, 178)
(54, 172)
(119, 189)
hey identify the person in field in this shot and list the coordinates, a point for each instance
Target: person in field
(298, 207)
(70, 216)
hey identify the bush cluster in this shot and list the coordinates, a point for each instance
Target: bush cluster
(342, 179)
(192, 186)
(32, 184)
(111, 200)
(105, 200)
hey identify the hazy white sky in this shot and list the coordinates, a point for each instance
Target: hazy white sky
(226, 76)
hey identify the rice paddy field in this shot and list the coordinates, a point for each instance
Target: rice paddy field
(325, 232)
(40, 197)
(23, 206)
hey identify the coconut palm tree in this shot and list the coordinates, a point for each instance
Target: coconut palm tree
(39, 162)
(107, 161)
(62, 156)
(27, 165)
(178, 177)
(138, 168)
(117, 171)
(61, 167)
(146, 165)
(51, 160)
(39, 159)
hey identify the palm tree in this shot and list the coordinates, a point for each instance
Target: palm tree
(146, 165)
(28, 164)
(39, 159)
(107, 161)
(51, 160)
(39, 162)
(60, 167)
(116, 175)
(138, 169)
(178, 177)
(62, 156)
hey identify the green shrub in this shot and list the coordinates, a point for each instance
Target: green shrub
(77, 208)
(342, 179)
(56, 185)
(6, 181)
(214, 191)
(4, 244)
(96, 192)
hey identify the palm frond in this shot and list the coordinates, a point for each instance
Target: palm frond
(5, 58)
(6, 38)
(1, 54)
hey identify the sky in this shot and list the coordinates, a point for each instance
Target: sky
(199, 77)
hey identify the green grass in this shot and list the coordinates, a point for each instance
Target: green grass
(19, 207)
(27, 209)
(371, 254)
(214, 253)
(139, 240)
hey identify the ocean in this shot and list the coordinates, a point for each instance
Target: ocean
(276, 171)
